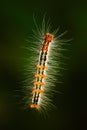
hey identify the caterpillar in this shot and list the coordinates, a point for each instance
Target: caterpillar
(43, 66)
(40, 74)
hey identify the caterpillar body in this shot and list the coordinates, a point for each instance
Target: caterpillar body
(43, 67)
(40, 74)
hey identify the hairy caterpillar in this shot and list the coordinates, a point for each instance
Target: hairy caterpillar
(41, 74)
(43, 66)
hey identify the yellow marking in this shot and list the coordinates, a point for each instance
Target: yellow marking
(41, 66)
(38, 82)
(37, 90)
(40, 75)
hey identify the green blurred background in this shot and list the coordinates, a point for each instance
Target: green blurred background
(16, 23)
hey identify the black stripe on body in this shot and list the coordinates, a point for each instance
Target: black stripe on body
(43, 57)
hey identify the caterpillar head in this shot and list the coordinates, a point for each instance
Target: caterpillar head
(49, 37)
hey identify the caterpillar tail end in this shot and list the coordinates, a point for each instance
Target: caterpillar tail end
(34, 106)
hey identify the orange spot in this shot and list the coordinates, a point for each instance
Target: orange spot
(44, 49)
(49, 37)
(43, 76)
(40, 83)
(40, 75)
(44, 44)
(34, 106)
(41, 66)
(37, 90)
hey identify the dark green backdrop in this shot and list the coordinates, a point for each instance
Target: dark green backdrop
(16, 23)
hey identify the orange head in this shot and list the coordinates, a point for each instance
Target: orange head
(49, 37)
